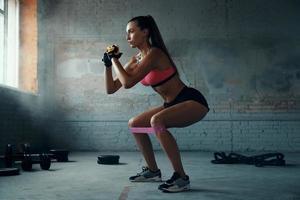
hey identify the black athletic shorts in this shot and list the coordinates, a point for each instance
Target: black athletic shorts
(186, 94)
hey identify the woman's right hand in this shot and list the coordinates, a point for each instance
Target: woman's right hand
(106, 60)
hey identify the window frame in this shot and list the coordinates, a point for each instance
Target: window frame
(3, 13)
(9, 71)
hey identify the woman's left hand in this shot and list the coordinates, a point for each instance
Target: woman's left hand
(113, 52)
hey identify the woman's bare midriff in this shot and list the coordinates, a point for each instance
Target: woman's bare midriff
(169, 90)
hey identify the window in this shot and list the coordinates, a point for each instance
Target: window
(9, 42)
(1, 39)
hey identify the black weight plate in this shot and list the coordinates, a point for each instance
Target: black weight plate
(108, 159)
(26, 164)
(60, 154)
(45, 162)
(9, 171)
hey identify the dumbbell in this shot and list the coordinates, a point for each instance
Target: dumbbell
(60, 155)
(112, 49)
(30, 159)
(27, 159)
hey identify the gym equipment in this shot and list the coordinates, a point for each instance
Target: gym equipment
(7, 157)
(113, 51)
(273, 159)
(108, 159)
(9, 171)
(147, 130)
(142, 130)
(27, 159)
(30, 159)
(61, 155)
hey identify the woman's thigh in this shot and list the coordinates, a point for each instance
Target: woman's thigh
(181, 115)
(143, 119)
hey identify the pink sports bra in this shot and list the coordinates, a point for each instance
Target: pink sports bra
(157, 77)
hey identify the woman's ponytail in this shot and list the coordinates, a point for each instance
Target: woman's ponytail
(156, 38)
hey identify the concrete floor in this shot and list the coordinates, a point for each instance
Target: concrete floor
(84, 179)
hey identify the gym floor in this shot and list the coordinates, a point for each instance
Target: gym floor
(83, 179)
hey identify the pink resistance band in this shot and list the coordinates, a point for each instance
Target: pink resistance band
(150, 130)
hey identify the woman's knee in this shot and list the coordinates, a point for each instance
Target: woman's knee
(137, 121)
(156, 121)
(132, 122)
(158, 124)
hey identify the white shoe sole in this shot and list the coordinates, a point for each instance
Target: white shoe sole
(154, 179)
(185, 188)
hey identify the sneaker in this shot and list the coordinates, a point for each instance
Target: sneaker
(146, 176)
(175, 184)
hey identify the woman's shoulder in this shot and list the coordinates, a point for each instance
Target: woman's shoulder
(162, 58)
(157, 51)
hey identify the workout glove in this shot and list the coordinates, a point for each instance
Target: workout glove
(106, 60)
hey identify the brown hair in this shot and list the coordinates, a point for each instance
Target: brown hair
(147, 22)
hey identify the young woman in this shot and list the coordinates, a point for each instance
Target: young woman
(153, 66)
